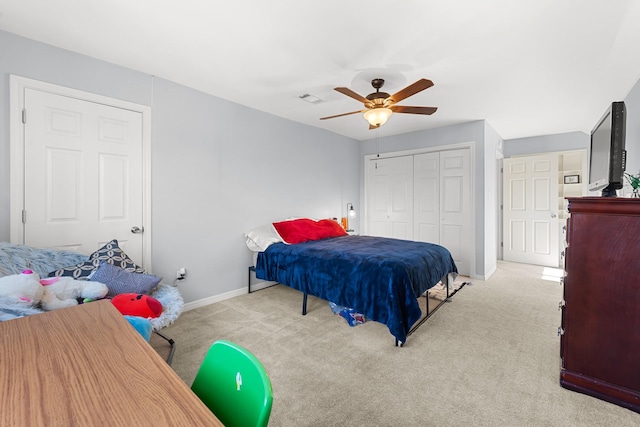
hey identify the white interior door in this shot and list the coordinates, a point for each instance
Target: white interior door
(530, 210)
(390, 197)
(455, 207)
(83, 174)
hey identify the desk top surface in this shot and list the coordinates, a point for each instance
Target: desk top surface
(86, 366)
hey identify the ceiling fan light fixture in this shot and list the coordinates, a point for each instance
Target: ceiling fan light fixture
(377, 116)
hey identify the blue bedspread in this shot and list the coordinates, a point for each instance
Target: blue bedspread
(377, 276)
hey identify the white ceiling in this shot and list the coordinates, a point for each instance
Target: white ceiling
(529, 67)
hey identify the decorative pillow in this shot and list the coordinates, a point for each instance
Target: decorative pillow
(110, 253)
(259, 239)
(305, 229)
(120, 281)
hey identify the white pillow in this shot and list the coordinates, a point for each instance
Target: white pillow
(260, 238)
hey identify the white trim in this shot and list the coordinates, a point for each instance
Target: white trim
(213, 299)
(17, 85)
(391, 154)
(227, 295)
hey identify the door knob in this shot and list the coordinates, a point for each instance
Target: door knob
(553, 215)
(136, 230)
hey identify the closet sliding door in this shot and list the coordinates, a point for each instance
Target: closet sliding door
(455, 207)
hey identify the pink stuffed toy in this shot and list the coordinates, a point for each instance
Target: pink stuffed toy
(22, 289)
(27, 289)
(62, 292)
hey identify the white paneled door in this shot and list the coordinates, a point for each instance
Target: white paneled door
(530, 210)
(83, 174)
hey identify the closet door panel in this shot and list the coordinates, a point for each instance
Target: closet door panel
(427, 197)
(390, 197)
(455, 207)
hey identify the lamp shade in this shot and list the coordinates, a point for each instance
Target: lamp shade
(377, 116)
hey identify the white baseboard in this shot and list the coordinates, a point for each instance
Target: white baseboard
(227, 295)
(211, 300)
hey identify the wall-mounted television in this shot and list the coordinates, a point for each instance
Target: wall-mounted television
(608, 155)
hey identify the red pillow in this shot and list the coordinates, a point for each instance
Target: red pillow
(305, 229)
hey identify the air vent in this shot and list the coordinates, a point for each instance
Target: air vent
(312, 99)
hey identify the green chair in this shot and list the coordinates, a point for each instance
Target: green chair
(234, 385)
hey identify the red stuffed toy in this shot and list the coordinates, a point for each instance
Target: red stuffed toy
(137, 305)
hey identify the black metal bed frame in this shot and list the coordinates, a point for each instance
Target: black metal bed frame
(446, 280)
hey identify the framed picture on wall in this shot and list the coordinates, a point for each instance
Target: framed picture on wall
(572, 179)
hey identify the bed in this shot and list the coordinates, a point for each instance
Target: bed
(381, 278)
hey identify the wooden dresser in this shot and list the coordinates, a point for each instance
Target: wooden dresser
(600, 331)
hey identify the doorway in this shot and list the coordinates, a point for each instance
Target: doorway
(80, 170)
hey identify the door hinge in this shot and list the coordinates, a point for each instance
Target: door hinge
(502, 244)
(24, 115)
(24, 216)
(561, 305)
(560, 331)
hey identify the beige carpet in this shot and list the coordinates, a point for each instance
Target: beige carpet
(488, 358)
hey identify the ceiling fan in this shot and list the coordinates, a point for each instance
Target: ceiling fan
(380, 105)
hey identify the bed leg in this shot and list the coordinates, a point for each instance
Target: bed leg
(304, 304)
(172, 343)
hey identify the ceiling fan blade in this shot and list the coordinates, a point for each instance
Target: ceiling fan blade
(343, 114)
(413, 110)
(412, 89)
(352, 94)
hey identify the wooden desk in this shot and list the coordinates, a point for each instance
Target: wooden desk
(86, 366)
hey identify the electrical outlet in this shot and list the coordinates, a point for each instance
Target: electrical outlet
(181, 273)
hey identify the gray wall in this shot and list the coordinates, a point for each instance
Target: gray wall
(632, 102)
(547, 143)
(218, 168)
(493, 146)
(581, 140)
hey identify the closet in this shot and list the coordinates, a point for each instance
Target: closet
(425, 197)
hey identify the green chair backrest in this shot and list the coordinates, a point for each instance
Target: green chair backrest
(234, 385)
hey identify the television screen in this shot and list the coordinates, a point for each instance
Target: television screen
(608, 155)
(600, 148)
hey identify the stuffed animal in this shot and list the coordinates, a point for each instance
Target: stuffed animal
(62, 292)
(137, 305)
(28, 290)
(23, 289)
